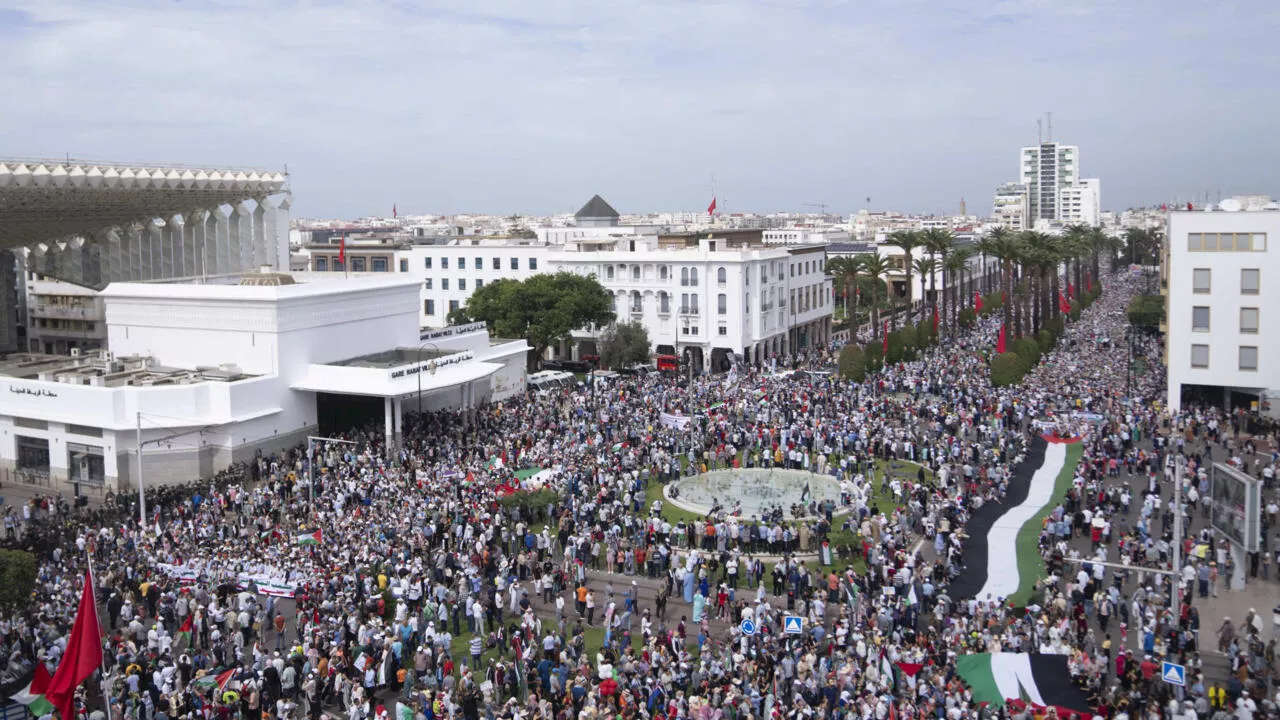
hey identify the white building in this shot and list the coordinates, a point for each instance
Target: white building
(711, 296)
(805, 236)
(1081, 203)
(211, 373)
(1221, 346)
(1011, 208)
(1045, 169)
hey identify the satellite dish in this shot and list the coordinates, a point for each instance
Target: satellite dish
(1230, 205)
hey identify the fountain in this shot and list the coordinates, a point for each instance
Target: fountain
(752, 491)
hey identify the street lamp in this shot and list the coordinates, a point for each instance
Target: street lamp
(419, 372)
(311, 462)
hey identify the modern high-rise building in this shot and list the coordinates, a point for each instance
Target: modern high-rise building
(1045, 169)
(1010, 206)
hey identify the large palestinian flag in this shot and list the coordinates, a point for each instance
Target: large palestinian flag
(1001, 558)
(1036, 679)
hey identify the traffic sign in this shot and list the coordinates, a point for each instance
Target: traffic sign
(748, 627)
(1174, 674)
(793, 624)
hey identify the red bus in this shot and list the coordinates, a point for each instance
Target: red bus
(668, 363)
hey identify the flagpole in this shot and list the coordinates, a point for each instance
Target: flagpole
(102, 668)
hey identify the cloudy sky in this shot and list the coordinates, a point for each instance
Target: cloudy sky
(531, 106)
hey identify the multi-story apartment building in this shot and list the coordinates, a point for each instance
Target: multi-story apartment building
(1011, 208)
(1044, 169)
(62, 317)
(1079, 203)
(708, 296)
(1220, 283)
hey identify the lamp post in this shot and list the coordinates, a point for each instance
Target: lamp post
(311, 462)
(419, 373)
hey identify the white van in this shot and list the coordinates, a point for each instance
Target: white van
(548, 380)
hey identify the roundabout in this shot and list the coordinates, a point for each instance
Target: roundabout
(753, 492)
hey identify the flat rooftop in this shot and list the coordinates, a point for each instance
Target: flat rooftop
(395, 358)
(100, 368)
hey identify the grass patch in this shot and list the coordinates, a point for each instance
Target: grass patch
(1030, 565)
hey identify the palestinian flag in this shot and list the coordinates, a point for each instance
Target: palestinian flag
(309, 538)
(527, 473)
(220, 681)
(33, 694)
(1039, 680)
(1001, 556)
(185, 630)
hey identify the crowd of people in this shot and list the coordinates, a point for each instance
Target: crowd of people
(438, 580)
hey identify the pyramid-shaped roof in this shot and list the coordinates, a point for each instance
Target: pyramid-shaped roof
(596, 207)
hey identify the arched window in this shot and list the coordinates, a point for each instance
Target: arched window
(664, 302)
(636, 303)
(608, 272)
(693, 277)
(635, 272)
(722, 275)
(684, 277)
(663, 272)
(722, 304)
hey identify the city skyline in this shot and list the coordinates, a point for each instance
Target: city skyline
(529, 108)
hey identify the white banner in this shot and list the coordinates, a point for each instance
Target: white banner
(267, 584)
(674, 421)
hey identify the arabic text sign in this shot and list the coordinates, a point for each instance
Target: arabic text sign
(34, 392)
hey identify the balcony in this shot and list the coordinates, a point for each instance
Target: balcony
(67, 312)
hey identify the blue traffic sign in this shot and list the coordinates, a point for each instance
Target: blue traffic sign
(793, 625)
(1174, 674)
(748, 627)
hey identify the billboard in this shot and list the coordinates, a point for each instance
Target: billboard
(1237, 506)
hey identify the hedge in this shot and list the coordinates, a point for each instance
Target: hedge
(894, 353)
(874, 354)
(1046, 340)
(1006, 369)
(1146, 310)
(909, 339)
(967, 318)
(853, 363)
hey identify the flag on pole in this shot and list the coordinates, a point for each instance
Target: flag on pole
(1000, 342)
(394, 214)
(1071, 291)
(977, 301)
(309, 538)
(33, 695)
(1088, 283)
(711, 209)
(342, 249)
(935, 320)
(83, 654)
(1063, 305)
(224, 679)
(885, 348)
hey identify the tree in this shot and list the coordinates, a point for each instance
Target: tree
(1005, 247)
(544, 310)
(907, 241)
(954, 267)
(939, 242)
(17, 578)
(624, 345)
(853, 363)
(875, 268)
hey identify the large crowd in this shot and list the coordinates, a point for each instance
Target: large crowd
(437, 579)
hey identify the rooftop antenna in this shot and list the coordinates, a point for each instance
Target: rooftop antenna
(1039, 131)
(1050, 117)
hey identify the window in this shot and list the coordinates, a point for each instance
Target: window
(664, 272)
(1199, 356)
(428, 307)
(533, 263)
(453, 306)
(722, 304)
(404, 265)
(689, 303)
(462, 283)
(322, 264)
(1227, 242)
(1200, 319)
(693, 277)
(724, 330)
(515, 263)
(479, 283)
(722, 276)
(444, 283)
(637, 303)
(1248, 357)
(479, 263)
(1248, 319)
(497, 263)
(684, 277)
(664, 303)
(357, 264)
(1249, 281)
(1200, 281)
(379, 264)
(608, 272)
(444, 263)
(426, 263)
(427, 283)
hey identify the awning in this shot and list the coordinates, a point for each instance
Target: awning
(378, 382)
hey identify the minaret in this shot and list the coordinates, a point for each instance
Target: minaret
(962, 210)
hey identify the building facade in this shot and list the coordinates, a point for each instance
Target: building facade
(1011, 208)
(1220, 284)
(63, 318)
(1045, 169)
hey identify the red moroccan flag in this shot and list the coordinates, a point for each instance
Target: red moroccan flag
(885, 348)
(1071, 291)
(1088, 283)
(1063, 305)
(977, 301)
(935, 321)
(1000, 342)
(82, 656)
(711, 209)
(342, 249)
(1002, 298)
(910, 668)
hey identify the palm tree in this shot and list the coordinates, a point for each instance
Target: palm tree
(1005, 247)
(1075, 245)
(955, 263)
(875, 268)
(845, 269)
(939, 242)
(907, 241)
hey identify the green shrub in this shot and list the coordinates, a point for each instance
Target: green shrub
(1075, 313)
(894, 353)
(1046, 340)
(925, 336)
(1028, 349)
(17, 578)
(853, 363)
(874, 354)
(1055, 326)
(967, 318)
(908, 337)
(991, 302)
(1006, 369)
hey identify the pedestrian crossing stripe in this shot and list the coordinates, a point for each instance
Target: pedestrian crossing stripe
(793, 625)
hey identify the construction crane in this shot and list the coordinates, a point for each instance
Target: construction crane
(820, 206)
